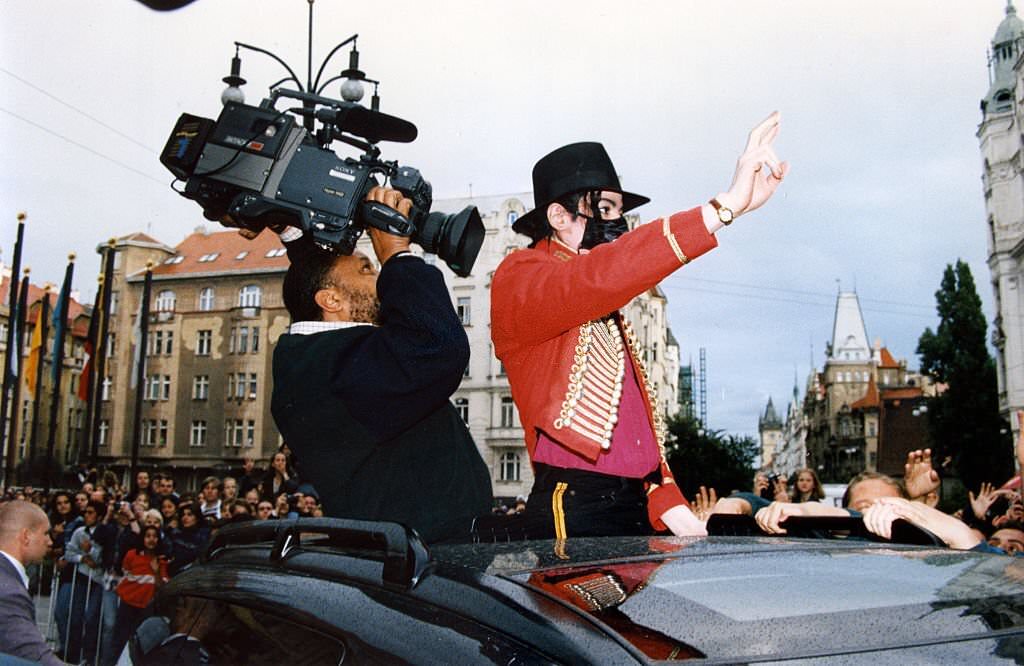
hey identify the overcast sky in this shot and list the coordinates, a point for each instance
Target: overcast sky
(879, 103)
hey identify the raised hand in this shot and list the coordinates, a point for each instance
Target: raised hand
(919, 477)
(704, 503)
(758, 170)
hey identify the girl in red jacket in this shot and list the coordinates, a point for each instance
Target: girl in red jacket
(145, 570)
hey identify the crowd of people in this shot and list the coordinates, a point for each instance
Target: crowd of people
(113, 546)
(991, 520)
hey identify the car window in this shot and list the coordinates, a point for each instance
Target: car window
(236, 634)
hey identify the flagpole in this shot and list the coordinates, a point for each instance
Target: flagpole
(140, 374)
(60, 316)
(101, 348)
(85, 380)
(12, 347)
(19, 324)
(37, 394)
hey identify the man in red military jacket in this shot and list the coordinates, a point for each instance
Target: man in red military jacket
(593, 429)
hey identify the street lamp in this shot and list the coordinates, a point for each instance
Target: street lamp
(352, 89)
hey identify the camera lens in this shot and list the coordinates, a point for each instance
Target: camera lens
(455, 238)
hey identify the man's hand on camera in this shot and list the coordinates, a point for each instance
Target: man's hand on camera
(387, 245)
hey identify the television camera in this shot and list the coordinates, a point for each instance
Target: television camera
(256, 167)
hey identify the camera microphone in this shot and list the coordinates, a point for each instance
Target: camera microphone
(373, 125)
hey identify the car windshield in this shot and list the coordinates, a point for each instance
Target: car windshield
(720, 600)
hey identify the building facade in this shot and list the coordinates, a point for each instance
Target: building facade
(864, 410)
(1001, 145)
(32, 411)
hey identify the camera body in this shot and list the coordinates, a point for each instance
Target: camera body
(256, 167)
(768, 493)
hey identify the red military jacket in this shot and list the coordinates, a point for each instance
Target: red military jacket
(547, 304)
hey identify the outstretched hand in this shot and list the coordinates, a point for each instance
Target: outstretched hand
(758, 170)
(919, 477)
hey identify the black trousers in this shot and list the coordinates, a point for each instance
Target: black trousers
(572, 503)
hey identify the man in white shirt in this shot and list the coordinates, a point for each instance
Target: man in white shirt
(24, 539)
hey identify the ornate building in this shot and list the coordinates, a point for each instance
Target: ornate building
(1000, 141)
(863, 411)
(769, 427)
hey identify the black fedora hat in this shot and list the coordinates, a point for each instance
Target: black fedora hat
(577, 167)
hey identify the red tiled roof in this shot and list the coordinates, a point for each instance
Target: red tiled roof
(902, 393)
(870, 398)
(227, 246)
(35, 295)
(887, 361)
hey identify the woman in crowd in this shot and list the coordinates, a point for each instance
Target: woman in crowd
(279, 478)
(169, 512)
(189, 538)
(807, 487)
(145, 570)
(252, 498)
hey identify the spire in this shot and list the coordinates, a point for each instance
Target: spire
(1006, 48)
(849, 337)
(770, 420)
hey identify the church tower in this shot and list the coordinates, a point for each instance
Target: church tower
(999, 136)
(769, 426)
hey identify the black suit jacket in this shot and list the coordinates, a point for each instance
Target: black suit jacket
(366, 409)
(19, 635)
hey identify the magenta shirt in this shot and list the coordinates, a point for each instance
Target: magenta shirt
(634, 450)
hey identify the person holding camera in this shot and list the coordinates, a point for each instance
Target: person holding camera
(362, 383)
(593, 427)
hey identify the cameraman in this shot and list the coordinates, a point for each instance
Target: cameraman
(362, 382)
(592, 421)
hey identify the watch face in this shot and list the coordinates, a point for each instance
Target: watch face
(724, 214)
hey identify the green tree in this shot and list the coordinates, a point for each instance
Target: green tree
(709, 458)
(964, 420)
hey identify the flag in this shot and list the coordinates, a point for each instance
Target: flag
(60, 320)
(139, 331)
(137, 354)
(85, 379)
(35, 350)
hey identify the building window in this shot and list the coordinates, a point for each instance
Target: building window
(113, 302)
(512, 217)
(243, 339)
(161, 437)
(872, 429)
(206, 299)
(200, 387)
(108, 384)
(250, 432)
(462, 407)
(197, 436)
(249, 296)
(231, 385)
(507, 412)
(165, 301)
(104, 432)
(252, 385)
(241, 255)
(204, 343)
(462, 309)
(276, 252)
(148, 432)
(508, 467)
(165, 393)
(111, 344)
(255, 339)
(208, 257)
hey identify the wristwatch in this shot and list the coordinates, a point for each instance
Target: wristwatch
(725, 215)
